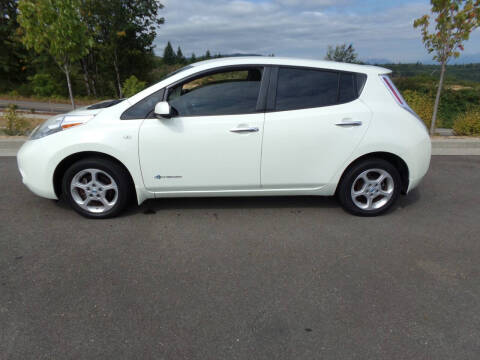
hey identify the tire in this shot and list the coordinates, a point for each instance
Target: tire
(369, 188)
(97, 188)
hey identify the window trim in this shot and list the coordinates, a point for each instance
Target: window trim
(149, 115)
(262, 93)
(273, 86)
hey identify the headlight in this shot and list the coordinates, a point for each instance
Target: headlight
(59, 123)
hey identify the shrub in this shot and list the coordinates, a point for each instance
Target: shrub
(132, 85)
(468, 123)
(16, 124)
(43, 85)
(422, 104)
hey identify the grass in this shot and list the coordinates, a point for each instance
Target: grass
(32, 123)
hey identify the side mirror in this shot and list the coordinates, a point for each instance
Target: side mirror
(164, 110)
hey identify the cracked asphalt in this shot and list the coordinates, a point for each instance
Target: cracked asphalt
(244, 278)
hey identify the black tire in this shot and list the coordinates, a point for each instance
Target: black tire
(115, 171)
(344, 191)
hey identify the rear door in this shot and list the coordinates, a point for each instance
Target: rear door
(314, 122)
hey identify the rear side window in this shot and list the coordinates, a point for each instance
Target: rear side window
(306, 88)
(302, 89)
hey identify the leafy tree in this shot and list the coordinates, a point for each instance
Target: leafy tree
(55, 27)
(43, 85)
(13, 55)
(454, 21)
(132, 85)
(169, 56)
(126, 30)
(342, 53)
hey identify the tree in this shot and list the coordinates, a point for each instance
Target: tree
(13, 55)
(126, 30)
(342, 53)
(132, 85)
(454, 21)
(180, 57)
(169, 56)
(55, 27)
(193, 58)
(208, 55)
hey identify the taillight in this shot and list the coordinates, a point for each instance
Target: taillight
(398, 97)
(394, 91)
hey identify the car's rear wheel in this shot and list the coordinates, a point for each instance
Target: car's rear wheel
(370, 187)
(96, 188)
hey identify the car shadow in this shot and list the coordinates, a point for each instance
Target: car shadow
(405, 201)
(151, 206)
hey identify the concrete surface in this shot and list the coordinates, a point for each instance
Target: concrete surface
(260, 278)
(444, 132)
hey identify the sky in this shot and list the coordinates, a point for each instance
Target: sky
(379, 30)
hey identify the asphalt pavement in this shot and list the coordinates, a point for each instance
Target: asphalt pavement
(244, 278)
(44, 106)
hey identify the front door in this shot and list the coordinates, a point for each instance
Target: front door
(214, 143)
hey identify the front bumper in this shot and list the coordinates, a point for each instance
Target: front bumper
(33, 163)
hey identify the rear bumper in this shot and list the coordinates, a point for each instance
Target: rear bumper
(418, 160)
(33, 164)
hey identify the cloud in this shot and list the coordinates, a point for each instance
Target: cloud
(302, 28)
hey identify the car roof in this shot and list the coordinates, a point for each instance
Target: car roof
(271, 60)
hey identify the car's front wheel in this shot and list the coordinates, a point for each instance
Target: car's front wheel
(96, 187)
(370, 187)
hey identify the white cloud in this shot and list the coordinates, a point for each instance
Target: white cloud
(302, 28)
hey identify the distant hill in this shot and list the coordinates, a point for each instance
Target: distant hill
(378, 61)
(464, 72)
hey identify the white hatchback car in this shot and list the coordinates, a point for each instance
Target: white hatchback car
(250, 126)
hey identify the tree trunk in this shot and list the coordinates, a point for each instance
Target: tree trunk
(95, 75)
(86, 79)
(117, 72)
(437, 99)
(70, 92)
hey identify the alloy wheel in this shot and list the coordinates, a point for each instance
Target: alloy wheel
(94, 190)
(372, 189)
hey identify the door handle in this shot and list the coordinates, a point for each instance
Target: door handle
(244, 130)
(349, 122)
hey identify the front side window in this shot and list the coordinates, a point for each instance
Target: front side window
(220, 93)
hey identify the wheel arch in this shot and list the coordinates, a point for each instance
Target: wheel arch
(72, 158)
(393, 159)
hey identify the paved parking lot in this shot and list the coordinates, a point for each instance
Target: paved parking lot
(262, 278)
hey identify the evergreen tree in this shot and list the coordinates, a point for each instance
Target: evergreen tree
(180, 57)
(208, 55)
(193, 58)
(169, 56)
